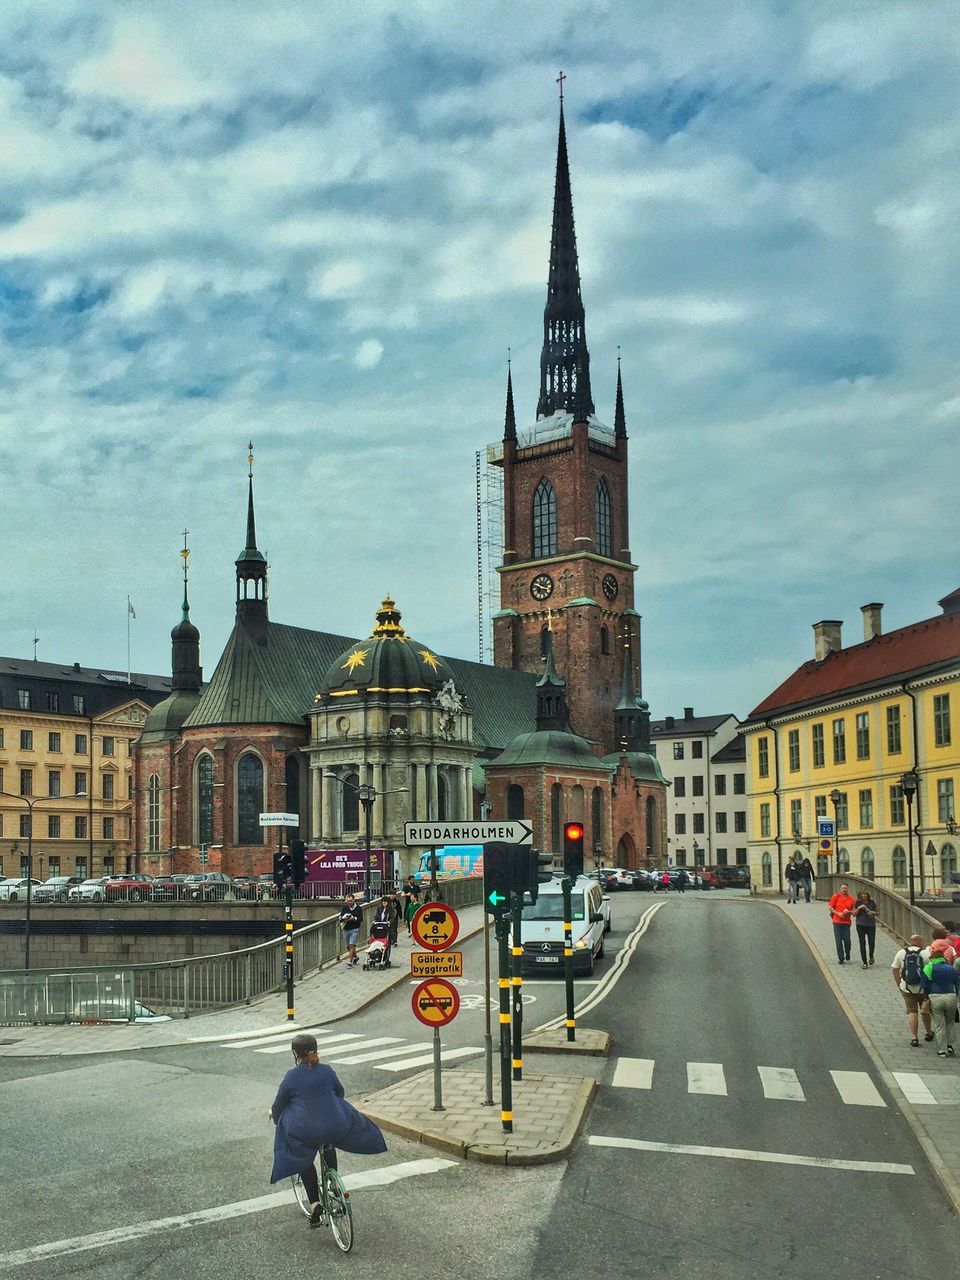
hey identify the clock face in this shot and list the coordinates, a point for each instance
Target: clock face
(610, 586)
(541, 588)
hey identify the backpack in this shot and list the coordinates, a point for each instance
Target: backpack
(911, 972)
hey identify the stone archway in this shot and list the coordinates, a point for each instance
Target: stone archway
(626, 851)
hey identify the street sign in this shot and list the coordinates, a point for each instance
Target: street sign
(514, 831)
(436, 964)
(434, 926)
(825, 828)
(826, 846)
(435, 1002)
(279, 820)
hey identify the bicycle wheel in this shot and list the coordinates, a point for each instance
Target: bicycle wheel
(303, 1200)
(337, 1199)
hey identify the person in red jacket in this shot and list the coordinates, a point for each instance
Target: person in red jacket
(841, 908)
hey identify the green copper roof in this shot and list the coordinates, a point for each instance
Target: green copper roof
(644, 766)
(580, 600)
(165, 719)
(551, 747)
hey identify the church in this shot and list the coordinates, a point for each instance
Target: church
(332, 728)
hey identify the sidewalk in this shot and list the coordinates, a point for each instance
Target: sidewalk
(333, 993)
(878, 1015)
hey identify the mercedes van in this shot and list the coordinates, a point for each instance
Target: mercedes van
(543, 927)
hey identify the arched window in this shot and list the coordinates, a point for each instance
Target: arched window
(153, 814)
(867, 863)
(596, 816)
(556, 816)
(576, 803)
(604, 519)
(651, 827)
(545, 519)
(441, 797)
(249, 799)
(766, 870)
(350, 802)
(604, 640)
(204, 800)
(843, 862)
(292, 781)
(948, 864)
(515, 801)
(899, 867)
(823, 864)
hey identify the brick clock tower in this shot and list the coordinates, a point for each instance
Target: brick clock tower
(566, 558)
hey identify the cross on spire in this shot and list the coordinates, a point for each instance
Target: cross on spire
(560, 79)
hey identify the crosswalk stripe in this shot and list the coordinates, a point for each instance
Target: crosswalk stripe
(285, 1048)
(706, 1077)
(857, 1089)
(913, 1088)
(781, 1083)
(377, 1053)
(426, 1059)
(633, 1073)
(283, 1036)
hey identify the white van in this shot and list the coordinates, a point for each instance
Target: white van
(543, 927)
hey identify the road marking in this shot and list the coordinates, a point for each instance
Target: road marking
(322, 1044)
(253, 1032)
(381, 1177)
(633, 1073)
(763, 1157)
(256, 1038)
(706, 1077)
(857, 1089)
(545, 982)
(367, 1044)
(377, 1053)
(447, 1055)
(913, 1088)
(781, 1083)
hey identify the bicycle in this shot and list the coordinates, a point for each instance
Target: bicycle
(335, 1198)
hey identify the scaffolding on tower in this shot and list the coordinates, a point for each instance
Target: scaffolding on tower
(489, 485)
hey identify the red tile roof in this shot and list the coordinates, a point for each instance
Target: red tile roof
(909, 651)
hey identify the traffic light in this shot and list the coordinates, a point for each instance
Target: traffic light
(282, 868)
(498, 873)
(539, 871)
(298, 861)
(573, 849)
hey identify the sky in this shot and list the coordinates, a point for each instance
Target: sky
(320, 227)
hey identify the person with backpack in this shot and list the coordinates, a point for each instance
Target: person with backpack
(841, 905)
(792, 873)
(941, 984)
(907, 970)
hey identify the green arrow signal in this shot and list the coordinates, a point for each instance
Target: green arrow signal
(493, 897)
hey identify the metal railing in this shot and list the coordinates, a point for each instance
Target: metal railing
(182, 988)
(896, 913)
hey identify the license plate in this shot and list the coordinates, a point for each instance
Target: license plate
(547, 959)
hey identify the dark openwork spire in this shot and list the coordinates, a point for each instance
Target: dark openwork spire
(552, 709)
(187, 673)
(509, 417)
(565, 361)
(252, 571)
(632, 715)
(619, 417)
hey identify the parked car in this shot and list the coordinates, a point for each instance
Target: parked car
(709, 879)
(645, 881)
(167, 888)
(733, 877)
(14, 888)
(613, 878)
(694, 880)
(91, 890)
(127, 887)
(56, 888)
(86, 1011)
(207, 886)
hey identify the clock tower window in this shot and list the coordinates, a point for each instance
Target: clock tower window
(604, 519)
(544, 520)
(604, 640)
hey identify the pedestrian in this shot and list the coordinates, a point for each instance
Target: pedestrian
(949, 950)
(841, 905)
(665, 881)
(941, 983)
(397, 910)
(351, 918)
(681, 881)
(312, 1115)
(907, 970)
(807, 878)
(793, 880)
(865, 917)
(411, 899)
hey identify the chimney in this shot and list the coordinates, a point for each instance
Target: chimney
(826, 638)
(688, 713)
(871, 620)
(669, 722)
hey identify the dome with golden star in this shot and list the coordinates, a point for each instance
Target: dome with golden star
(388, 664)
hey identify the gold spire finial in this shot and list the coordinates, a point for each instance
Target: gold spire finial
(549, 619)
(388, 620)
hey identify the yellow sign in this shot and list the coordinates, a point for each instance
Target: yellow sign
(436, 964)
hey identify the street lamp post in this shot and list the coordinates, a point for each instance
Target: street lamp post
(835, 798)
(12, 795)
(367, 794)
(908, 785)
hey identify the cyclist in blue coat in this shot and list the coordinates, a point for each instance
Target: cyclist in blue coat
(311, 1113)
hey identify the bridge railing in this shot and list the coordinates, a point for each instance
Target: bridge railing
(896, 913)
(182, 988)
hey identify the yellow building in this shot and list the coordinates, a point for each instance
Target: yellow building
(835, 740)
(65, 735)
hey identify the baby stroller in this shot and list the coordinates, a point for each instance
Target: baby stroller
(378, 949)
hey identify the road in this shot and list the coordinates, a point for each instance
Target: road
(116, 1142)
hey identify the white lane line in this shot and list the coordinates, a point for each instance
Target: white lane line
(913, 1088)
(781, 1083)
(378, 1053)
(706, 1077)
(633, 1073)
(286, 1035)
(381, 1177)
(764, 1157)
(857, 1089)
(447, 1055)
(285, 1048)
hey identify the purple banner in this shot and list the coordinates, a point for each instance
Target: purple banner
(340, 865)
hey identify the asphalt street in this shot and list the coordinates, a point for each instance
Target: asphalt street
(719, 987)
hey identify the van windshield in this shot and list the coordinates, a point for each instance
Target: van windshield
(549, 906)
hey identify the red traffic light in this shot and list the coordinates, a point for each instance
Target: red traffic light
(573, 831)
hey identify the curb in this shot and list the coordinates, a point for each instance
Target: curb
(599, 1048)
(949, 1185)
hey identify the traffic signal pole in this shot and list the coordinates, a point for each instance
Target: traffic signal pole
(503, 983)
(517, 899)
(566, 885)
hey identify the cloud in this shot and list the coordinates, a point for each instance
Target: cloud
(369, 354)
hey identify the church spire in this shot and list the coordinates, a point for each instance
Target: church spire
(552, 709)
(619, 417)
(564, 361)
(509, 418)
(252, 571)
(632, 715)
(187, 673)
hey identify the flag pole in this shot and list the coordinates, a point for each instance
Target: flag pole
(129, 612)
